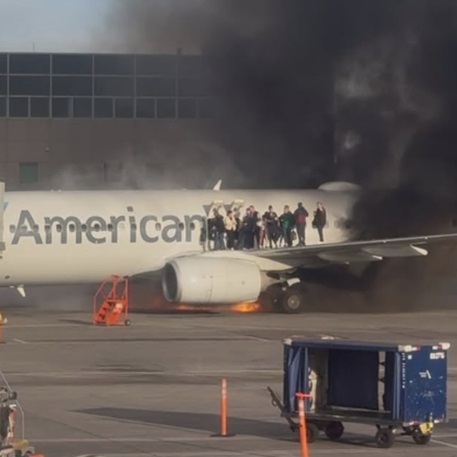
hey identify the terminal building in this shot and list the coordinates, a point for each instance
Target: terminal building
(82, 115)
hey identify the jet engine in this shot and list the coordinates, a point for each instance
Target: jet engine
(206, 280)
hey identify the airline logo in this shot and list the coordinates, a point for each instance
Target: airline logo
(95, 229)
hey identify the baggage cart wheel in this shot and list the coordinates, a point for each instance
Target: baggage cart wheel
(312, 432)
(334, 430)
(385, 438)
(127, 322)
(420, 438)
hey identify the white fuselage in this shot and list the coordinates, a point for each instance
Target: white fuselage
(85, 236)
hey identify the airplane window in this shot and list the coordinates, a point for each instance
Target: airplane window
(97, 227)
(181, 226)
(23, 228)
(36, 228)
(72, 227)
(133, 226)
(58, 227)
(110, 227)
(158, 226)
(192, 226)
(12, 228)
(47, 228)
(84, 227)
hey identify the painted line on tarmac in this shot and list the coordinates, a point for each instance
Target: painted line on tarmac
(444, 443)
(263, 340)
(17, 340)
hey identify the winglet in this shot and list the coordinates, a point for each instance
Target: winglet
(217, 186)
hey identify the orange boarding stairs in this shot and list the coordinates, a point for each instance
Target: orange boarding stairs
(111, 302)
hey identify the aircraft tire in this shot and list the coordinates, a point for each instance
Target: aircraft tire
(293, 300)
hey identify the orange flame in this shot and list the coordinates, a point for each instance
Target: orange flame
(246, 307)
(236, 308)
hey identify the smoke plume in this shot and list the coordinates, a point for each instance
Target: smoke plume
(313, 90)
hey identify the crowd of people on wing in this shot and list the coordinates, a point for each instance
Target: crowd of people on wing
(255, 231)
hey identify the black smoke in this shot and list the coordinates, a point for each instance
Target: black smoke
(316, 90)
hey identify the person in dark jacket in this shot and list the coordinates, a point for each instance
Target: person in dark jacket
(218, 229)
(320, 220)
(287, 222)
(300, 215)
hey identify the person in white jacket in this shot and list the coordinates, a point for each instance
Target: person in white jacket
(230, 229)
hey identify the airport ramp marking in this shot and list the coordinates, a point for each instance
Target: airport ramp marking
(444, 443)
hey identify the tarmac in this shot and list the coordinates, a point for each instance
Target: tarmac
(153, 389)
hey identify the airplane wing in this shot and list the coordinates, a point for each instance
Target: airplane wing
(350, 252)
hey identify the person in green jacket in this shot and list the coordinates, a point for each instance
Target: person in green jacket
(287, 221)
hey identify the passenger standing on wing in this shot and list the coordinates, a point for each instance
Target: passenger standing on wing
(230, 229)
(257, 227)
(300, 215)
(219, 230)
(204, 235)
(287, 221)
(238, 228)
(247, 231)
(270, 219)
(320, 220)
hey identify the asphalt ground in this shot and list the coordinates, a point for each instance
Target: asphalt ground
(153, 389)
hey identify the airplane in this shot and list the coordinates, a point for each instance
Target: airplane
(83, 237)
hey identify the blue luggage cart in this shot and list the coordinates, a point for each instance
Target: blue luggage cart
(399, 388)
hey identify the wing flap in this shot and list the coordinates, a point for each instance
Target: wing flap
(397, 251)
(348, 257)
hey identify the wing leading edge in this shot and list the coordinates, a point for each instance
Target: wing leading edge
(354, 251)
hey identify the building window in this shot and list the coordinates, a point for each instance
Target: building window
(29, 85)
(206, 108)
(145, 108)
(113, 172)
(156, 65)
(71, 64)
(106, 86)
(19, 107)
(82, 107)
(3, 63)
(2, 107)
(123, 108)
(187, 108)
(38, 64)
(103, 108)
(72, 85)
(166, 108)
(39, 107)
(3, 85)
(113, 64)
(61, 107)
(28, 173)
(155, 87)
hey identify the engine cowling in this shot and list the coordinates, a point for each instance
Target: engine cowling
(206, 280)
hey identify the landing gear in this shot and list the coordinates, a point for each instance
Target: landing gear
(292, 300)
(285, 299)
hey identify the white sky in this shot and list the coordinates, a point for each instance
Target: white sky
(51, 25)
